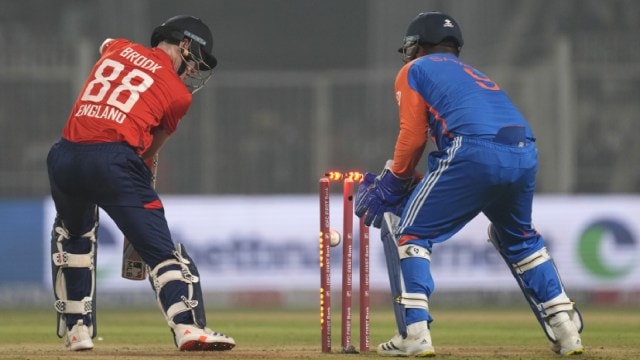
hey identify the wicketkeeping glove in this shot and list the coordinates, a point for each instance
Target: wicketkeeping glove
(383, 193)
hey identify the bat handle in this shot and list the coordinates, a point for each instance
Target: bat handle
(154, 170)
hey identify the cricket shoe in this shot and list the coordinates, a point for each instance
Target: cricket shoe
(191, 338)
(567, 336)
(78, 338)
(418, 342)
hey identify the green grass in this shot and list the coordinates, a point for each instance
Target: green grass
(458, 333)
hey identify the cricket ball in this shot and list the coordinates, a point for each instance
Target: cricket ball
(335, 238)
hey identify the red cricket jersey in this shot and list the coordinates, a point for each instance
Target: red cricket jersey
(131, 90)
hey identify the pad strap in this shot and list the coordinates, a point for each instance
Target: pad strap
(62, 233)
(407, 251)
(531, 261)
(65, 260)
(83, 306)
(159, 281)
(558, 304)
(180, 307)
(413, 300)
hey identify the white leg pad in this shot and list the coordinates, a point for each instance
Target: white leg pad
(61, 260)
(184, 275)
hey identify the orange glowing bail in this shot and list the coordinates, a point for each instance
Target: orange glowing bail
(339, 175)
(354, 175)
(334, 175)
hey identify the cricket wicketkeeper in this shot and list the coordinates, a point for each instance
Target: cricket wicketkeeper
(131, 103)
(486, 162)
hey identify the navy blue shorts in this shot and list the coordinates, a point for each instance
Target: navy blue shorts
(113, 177)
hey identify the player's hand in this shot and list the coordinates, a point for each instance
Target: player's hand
(365, 204)
(383, 193)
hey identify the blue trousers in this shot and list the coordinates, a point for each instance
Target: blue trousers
(468, 177)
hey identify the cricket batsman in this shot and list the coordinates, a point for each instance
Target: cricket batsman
(130, 104)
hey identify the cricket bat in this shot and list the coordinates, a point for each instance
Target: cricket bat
(133, 267)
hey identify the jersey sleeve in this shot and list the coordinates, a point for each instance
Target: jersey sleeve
(175, 112)
(414, 126)
(109, 43)
(104, 45)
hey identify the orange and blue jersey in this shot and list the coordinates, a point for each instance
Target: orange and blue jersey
(441, 97)
(131, 91)
(486, 162)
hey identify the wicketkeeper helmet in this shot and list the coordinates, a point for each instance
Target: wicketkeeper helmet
(430, 28)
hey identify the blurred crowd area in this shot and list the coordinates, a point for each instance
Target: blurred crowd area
(306, 86)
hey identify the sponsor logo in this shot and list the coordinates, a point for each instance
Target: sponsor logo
(608, 249)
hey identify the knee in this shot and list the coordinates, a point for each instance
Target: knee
(516, 246)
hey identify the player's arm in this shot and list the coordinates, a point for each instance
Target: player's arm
(414, 127)
(160, 137)
(389, 191)
(172, 116)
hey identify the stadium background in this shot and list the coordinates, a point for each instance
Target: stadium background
(306, 86)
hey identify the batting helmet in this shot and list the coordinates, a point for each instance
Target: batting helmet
(184, 26)
(430, 28)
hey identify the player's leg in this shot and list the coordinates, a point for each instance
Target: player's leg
(414, 338)
(523, 249)
(73, 256)
(445, 200)
(174, 277)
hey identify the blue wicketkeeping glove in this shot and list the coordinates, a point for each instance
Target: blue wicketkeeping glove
(383, 193)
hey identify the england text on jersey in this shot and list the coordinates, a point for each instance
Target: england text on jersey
(101, 112)
(140, 60)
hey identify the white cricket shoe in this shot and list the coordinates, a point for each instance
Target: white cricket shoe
(188, 337)
(79, 337)
(418, 342)
(567, 336)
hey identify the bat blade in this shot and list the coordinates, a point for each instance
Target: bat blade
(133, 267)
